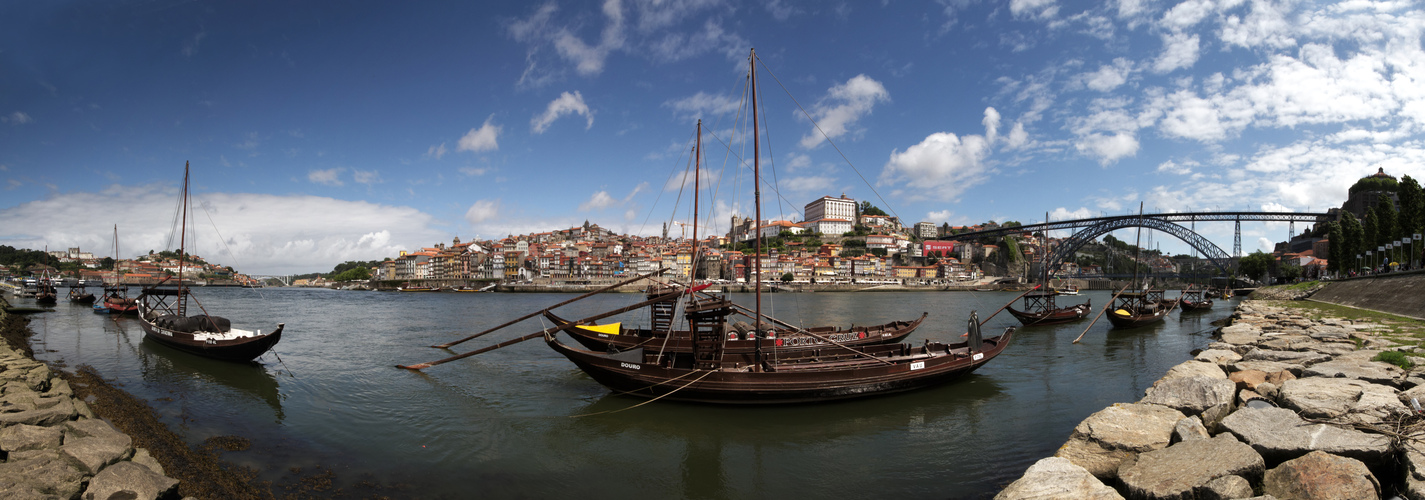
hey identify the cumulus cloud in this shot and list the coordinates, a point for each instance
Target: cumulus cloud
(437, 151)
(1062, 213)
(942, 216)
(255, 233)
(482, 211)
(330, 176)
(17, 118)
(1109, 76)
(566, 104)
(701, 103)
(943, 165)
(367, 177)
(599, 201)
(485, 138)
(842, 106)
(1108, 148)
(1180, 50)
(1017, 137)
(1043, 9)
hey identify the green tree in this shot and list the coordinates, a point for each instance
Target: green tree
(1289, 271)
(1354, 235)
(866, 208)
(1255, 265)
(1372, 230)
(1412, 207)
(1336, 247)
(353, 274)
(1387, 221)
(787, 277)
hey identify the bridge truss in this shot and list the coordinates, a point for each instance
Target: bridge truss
(285, 279)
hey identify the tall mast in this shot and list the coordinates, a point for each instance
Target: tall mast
(182, 237)
(1136, 241)
(116, 256)
(697, 167)
(757, 202)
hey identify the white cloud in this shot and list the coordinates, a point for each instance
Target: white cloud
(599, 201)
(1180, 50)
(842, 106)
(943, 165)
(17, 118)
(1108, 148)
(702, 103)
(436, 151)
(1186, 14)
(939, 216)
(258, 232)
(1062, 213)
(566, 104)
(1017, 137)
(1043, 9)
(991, 123)
(1109, 77)
(1172, 167)
(367, 177)
(330, 177)
(485, 138)
(482, 211)
(809, 184)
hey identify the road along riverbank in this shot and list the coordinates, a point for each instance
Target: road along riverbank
(73, 435)
(1295, 399)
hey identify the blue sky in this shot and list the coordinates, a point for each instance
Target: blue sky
(321, 132)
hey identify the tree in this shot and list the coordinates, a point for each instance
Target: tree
(1412, 207)
(1354, 236)
(868, 209)
(107, 264)
(1387, 221)
(787, 277)
(1372, 230)
(1255, 265)
(1336, 241)
(353, 274)
(1289, 272)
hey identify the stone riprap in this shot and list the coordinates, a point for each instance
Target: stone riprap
(53, 446)
(1280, 404)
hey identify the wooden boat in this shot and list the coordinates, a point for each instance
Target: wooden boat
(710, 374)
(1068, 289)
(116, 296)
(79, 295)
(1139, 308)
(408, 287)
(739, 337)
(1195, 300)
(1040, 309)
(45, 294)
(163, 314)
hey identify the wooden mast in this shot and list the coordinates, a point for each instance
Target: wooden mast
(182, 237)
(697, 173)
(757, 202)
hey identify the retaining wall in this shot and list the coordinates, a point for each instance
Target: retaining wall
(1396, 293)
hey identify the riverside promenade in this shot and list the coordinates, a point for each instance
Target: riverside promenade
(52, 443)
(1295, 399)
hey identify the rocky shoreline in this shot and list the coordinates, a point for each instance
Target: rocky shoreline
(52, 443)
(1285, 404)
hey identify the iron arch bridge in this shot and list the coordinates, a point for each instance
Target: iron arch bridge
(1088, 230)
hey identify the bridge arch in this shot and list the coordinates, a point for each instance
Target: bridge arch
(1209, 250)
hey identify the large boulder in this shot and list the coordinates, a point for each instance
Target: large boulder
(1247, 380)
(1103, 440)
(95, 444)
(1225, 487)
(1279, 434)
(1291, 357)
(1055, 477)
(1321, 475)
(29, 437)
(1220, 357)
(1192, 395)
(129, 480)
(1269, 367)
(1176, 471)
(43, 471)
(1374, 372)
(1329, 333)
(1340, 398)
(61, 410)
(1193, 368)
(1240, 334)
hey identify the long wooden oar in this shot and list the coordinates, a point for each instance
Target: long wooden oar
(541, 311)
(1100, 313)
(572, 324)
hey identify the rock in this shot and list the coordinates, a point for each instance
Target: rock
(61, 411)
(1240, 334)
(1329, 332)
(1413, 458)
(37, 378)
(1189, 429)
(1278, 377)
(1213, 416)
(1247, 379)
(1292, 357)
(142, 457)
(1220, 357)
(1374, 372)
(1417, 393)
(44, 471)
(94, 444)
(1225, 487)
(1176, 471)
(131, 480)
(29, 437)
(58, 387)
(1321, 475)
(1244, 396)
(1106, 438)
(1279, 434)
(1191, 395)
(1333, 349)
(1269, 391)
(91, 428)
(1339, 398)
(1054, 477)
(1192, 368)
(1269, 367)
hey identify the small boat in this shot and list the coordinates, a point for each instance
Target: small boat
(1139, 308)
(408, 287)
(79, 295)
(117, 300)
(1195, 300)
(163, 314)
(1068, 289)
(45, 294)
(1040, 309)
(100, 308)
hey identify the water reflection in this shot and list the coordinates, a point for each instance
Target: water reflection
(252, 379)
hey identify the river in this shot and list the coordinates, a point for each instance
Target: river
(514, 422)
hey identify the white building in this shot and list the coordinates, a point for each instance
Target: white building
(829, 207)
(926, 230)
(829, 225)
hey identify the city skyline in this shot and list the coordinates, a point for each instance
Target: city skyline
(322, 133)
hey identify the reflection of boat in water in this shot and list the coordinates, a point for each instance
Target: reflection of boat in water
(251, 379)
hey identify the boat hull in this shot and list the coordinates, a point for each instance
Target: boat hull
(240, 350)
(902, 367)
(681, 341)
(1051, 317)
(1202, 305)
(1136, 319)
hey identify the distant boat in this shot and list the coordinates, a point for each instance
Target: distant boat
(1195, 300)
(1040, 309)
(45, 293)
(408, 287)
(162, 312)
(79, 295)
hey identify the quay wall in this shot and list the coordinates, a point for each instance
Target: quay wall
(1396, 293)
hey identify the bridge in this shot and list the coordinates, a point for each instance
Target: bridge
(285, 279)
(1087, 230)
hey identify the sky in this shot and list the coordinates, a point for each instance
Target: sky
(320, 132)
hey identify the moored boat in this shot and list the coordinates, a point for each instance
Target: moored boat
(45, 294)
(408, 287)
(163, 315)
(1040, 309)
(1139, 308)
(1195, 300)
(79, 295)
(739, 336)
